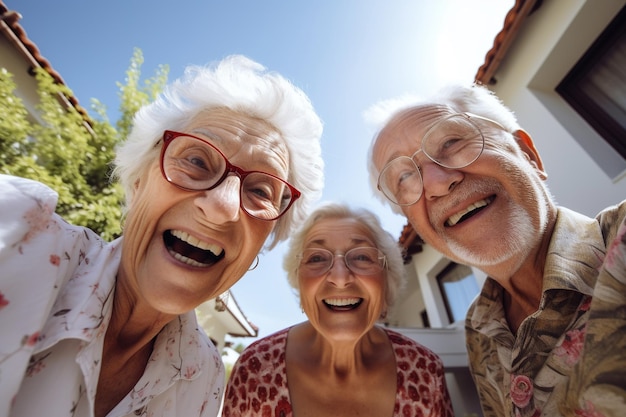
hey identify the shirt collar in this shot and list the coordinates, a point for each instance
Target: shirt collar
(575, 253)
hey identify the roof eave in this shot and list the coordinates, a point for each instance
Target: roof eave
(512, 24)
(15, 33)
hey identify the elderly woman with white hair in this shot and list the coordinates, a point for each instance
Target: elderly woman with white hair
(225, 157)
(348, 271)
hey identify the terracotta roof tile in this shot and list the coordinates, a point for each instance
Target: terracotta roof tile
(503, 40)
(9, 22)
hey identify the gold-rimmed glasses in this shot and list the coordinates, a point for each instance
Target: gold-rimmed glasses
(365, 260)
(454, 141)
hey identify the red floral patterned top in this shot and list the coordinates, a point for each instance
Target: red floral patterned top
(258, 383)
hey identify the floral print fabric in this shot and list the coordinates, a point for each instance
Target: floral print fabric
(569, 357)
(56, 294)
(258, 384)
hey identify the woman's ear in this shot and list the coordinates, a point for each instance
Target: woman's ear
(528, 148)
(134, 193)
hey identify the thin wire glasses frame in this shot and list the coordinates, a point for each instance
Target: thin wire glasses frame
(453, 142)
(364, 260)
(198, 165)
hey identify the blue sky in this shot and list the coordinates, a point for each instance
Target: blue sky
(345, 54)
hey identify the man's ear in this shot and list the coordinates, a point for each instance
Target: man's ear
(528, 147)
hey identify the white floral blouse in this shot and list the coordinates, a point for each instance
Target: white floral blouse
(569, 357)
(56, 294)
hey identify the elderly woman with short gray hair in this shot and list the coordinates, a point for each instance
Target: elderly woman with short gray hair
(347, 271)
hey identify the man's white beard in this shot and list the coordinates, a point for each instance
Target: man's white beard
(517, 242)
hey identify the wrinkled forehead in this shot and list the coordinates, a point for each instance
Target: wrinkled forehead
(415, 121)
(240, 124)
(402, 135)
(244, 139)
(337, 231)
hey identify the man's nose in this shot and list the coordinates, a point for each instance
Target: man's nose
(437, 180)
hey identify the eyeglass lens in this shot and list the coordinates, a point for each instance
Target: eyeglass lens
(193, 164)
(315, 262)
(453, 142)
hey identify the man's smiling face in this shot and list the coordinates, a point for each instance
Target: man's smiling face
(489, 212)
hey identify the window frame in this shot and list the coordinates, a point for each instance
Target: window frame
(587, 106)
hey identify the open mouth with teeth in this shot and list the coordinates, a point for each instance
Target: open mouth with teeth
(191, 251)
(342, 304)
(469, 211)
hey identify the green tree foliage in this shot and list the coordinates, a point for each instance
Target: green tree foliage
(133, 96)
(239, 347)
(13, 123)
(72, 155)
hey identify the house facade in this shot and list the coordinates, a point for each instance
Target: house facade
(557, 65)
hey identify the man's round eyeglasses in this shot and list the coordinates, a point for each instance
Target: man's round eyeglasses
(452, 142)
(193, 164)
(315, 262)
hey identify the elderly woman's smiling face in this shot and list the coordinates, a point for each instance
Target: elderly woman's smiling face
(181, 247)
(342, 303)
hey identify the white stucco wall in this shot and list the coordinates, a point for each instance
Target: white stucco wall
(409, 304)
(18, 66)
(551, 41)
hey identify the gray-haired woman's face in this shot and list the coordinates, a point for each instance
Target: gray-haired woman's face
(342, 302)
(183, 247)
